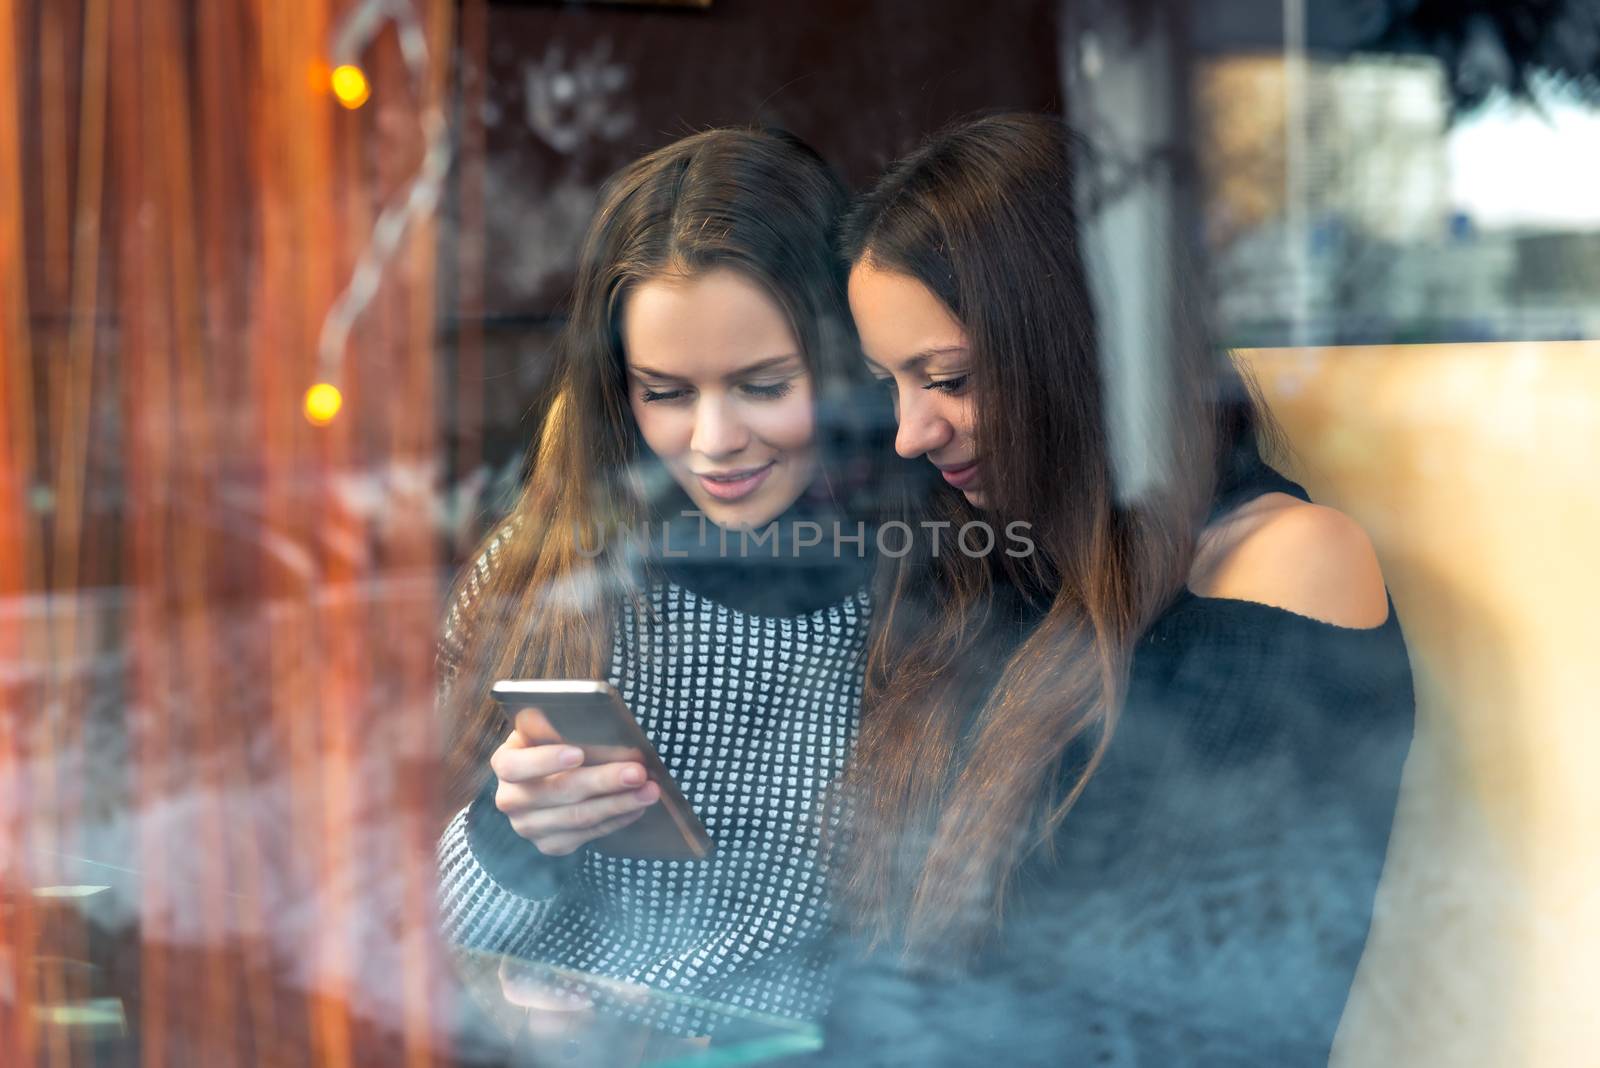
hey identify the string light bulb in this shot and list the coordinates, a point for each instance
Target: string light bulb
(353, 35)
(350, 85)
(323, 402)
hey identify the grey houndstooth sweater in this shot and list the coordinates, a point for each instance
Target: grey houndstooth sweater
(753, 714)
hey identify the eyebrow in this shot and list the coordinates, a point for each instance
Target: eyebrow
(915, 361)
(769, 364)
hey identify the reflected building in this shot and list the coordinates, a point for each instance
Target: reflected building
(1379, 250)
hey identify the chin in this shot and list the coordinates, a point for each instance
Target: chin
(975, 498)
(736, 517)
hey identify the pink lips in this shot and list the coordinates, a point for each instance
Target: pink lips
(961, 477)
(735, 484)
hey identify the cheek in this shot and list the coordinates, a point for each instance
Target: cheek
(962, 415)
(790, 424)
(664, 429)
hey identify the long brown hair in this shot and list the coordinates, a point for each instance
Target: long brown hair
(977, 737)
(539, 602)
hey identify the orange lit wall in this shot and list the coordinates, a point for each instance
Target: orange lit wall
(1473, 467)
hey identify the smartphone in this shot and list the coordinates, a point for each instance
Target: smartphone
(592, 716)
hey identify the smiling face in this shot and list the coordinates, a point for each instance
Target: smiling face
(913, 343)
(721, 394)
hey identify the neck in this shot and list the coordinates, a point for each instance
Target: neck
(797, 562)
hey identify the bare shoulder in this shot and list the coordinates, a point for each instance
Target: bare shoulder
(1284, 552)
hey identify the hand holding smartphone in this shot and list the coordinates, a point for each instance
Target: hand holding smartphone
(552, 800)
(579, 769)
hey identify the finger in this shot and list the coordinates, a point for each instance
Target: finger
(553, 1014)
(529, 989)
(514, 765)
(585, 816)
(559, 845)
(545, 998)
(548, 1028)
(581, 784)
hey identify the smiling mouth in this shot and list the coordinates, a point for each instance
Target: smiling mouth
(961, 476)
(733, 485)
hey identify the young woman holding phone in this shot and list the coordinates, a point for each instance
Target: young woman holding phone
(1124, 800)
(709, 386)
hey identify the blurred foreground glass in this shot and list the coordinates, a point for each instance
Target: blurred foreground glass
(218, 599)
(535, 1014)
(217, 616)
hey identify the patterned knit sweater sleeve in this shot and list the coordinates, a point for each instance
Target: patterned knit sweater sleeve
(750, 697)
(495, 888)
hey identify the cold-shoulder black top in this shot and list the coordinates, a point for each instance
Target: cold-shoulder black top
(1211, 892)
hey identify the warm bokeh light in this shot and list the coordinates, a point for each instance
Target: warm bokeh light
(323, 402)
(350, 85)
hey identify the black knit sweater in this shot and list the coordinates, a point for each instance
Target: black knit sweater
(1211, 892)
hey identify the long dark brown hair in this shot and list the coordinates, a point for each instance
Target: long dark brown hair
(977, 736)
(759, 202)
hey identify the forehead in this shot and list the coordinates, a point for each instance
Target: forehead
(706, 325)
(898, 317)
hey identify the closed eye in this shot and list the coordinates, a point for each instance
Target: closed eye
(767, 391)
(949, 385)
(650, 395)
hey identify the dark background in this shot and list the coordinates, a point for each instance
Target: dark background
(570, 92)
(861, 81)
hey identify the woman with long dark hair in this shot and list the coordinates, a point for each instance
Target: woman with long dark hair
(708, 387)
(1126, 798)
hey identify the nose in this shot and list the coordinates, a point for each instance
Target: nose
(719, 432)
(922, 430)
